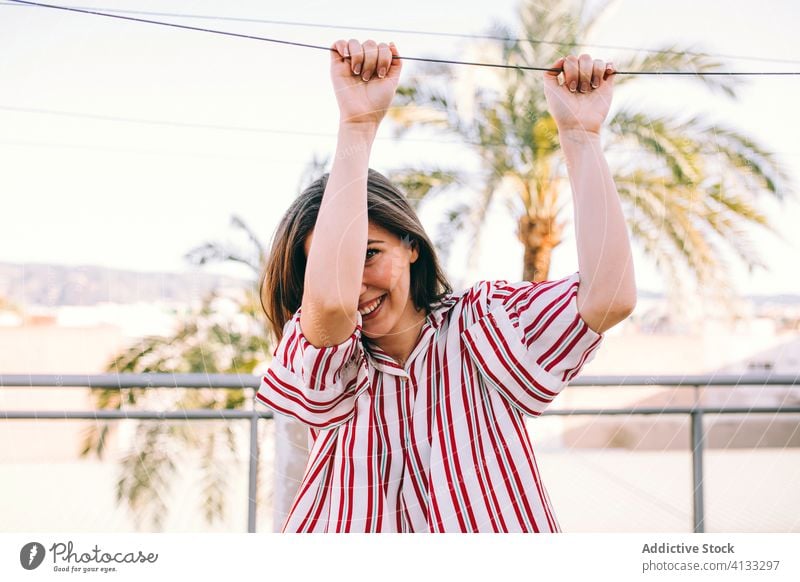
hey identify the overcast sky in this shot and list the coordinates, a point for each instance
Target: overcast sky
(80, 190)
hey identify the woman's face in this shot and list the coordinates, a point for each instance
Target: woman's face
(385, 302)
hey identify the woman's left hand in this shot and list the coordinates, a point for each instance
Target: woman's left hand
(582, 102)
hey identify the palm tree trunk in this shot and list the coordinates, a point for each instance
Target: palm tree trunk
(539, 236)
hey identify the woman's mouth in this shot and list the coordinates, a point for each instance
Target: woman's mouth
(370, 311)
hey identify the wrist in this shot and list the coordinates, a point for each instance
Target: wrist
(579, 136)
(358, 130)
(355, 141)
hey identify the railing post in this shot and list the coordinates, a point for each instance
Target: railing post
(253, 476)
(697, 467)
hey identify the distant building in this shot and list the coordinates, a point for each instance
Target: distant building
(760, 344)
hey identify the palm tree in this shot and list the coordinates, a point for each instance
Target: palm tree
(208, 340)
(687, 184)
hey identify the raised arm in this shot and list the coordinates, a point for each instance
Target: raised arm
(364, 78)
(579, 102)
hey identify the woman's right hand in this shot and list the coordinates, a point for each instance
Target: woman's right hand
(365, 78)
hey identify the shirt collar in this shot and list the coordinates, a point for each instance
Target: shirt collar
(385, 363)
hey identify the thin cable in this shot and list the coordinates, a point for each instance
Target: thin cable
(436, 34)
(292, 132)
(430, 60)
(144, 152)
(194, 125)
(162, 122)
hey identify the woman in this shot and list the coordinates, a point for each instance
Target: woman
(414, 396)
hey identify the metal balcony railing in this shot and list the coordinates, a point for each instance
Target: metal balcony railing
(224, 381)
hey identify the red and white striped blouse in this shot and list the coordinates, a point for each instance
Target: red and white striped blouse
(438, 445)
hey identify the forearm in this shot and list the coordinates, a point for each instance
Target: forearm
(339, 243)
(608, 284)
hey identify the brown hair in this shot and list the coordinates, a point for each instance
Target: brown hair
(281, 288)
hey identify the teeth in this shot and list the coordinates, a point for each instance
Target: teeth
(372, 306)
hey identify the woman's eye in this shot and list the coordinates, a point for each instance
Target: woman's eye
(369, 256)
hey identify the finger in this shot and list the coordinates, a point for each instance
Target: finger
(610, 73)
(356, 55)
(370, 59)
(555, 71)
(597, 73)
(339, 50)
(571, 72)
(384, 59)
(396, 65)
(585, 65)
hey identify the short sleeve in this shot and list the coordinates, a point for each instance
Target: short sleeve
(317, 386)
(528, 340)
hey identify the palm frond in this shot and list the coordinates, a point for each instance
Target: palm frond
(259, 250)
(690, 148)
(94, 440)
(593, 14)
(552, 21)
(421, 184)
(451, 225)
(205, 342)
(730, 206)
(726, 214)
(676, 58)
(666, 140)
(664, 207)
(313, 170)
(147, 472)
(666, 260)
(422, 102)
(747, 159)
(226, 252)
(216, 252)
(477, 217)
(699, 226)
(214, 477)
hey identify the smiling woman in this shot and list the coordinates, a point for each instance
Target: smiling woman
(386, 287)
(414, 396)
(399, 263)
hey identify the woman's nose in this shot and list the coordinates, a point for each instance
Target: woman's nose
(363, 288)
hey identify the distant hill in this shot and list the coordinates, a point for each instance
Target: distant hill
(53, 285)
(784, 299)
